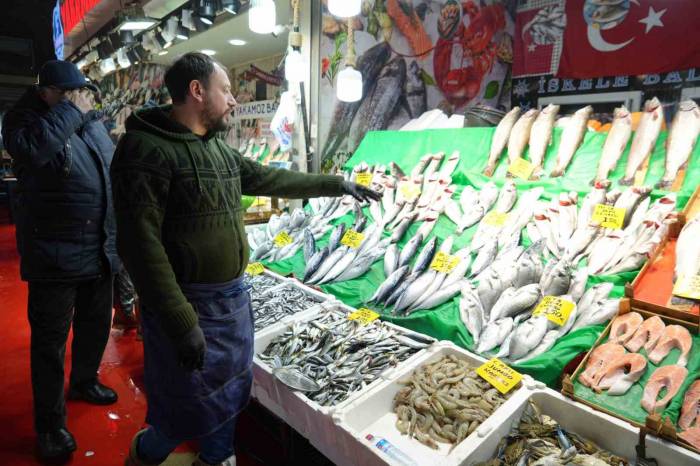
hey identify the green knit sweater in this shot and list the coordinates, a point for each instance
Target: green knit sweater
(177, 198)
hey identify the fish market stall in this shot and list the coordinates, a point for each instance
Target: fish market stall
(617, 264)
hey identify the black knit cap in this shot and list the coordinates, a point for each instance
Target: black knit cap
(64, 75)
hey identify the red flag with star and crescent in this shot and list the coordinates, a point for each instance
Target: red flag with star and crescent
(629, 37)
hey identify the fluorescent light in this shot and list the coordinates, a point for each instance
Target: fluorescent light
(136, 25)
(238, 42)
(164, 52)
(262, 16)
(208, 52)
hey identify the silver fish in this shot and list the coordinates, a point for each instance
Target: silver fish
(336, 236)
(598, 314)
(500, 139)
(315, 262)
(485, 256)
(520, 134)
(507, 197)
(389, 284)
(494, 334)
(391, 259)
(571, 139)
(471, 311)
(403, 227)
(578, 284)
(309, 245)
(358, 268)
(409, 250)
(681, 141)
(339, 267)
(328, 264)
(644, 139)
(527, 336)
(512, 302)
(615, 144)
(425, 257)
(441, 296)
(541, 137)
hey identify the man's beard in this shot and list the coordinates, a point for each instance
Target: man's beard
(213, 122)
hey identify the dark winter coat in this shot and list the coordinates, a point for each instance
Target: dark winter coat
(65, 221)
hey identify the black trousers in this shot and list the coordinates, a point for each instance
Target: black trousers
(52, 309)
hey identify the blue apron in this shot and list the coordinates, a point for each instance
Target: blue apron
(186, 405)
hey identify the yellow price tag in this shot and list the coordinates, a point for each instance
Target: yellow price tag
(556, 309)
(364, 178)
(352, 239)
(608, 216)
(256, 268)
(283, 239)
(444, 262)
(687, 286)
(409, 190)
(495, 219)
(521, 168)
(364, 316)
(502, 377)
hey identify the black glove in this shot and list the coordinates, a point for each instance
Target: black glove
(359, 192)
(191, 348)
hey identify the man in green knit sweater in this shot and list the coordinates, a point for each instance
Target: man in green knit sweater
(177, 194)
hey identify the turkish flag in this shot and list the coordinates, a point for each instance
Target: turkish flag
(531, 58)
(629, 37)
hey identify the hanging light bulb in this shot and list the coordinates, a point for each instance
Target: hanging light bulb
(262, 16)
(349, 85)
(294, 66)
(345, 8)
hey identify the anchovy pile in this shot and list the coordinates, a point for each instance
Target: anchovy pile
(260, 284)
(298, 226)
(331, 357)
(444, 402)
(539, 440)
(269, 308)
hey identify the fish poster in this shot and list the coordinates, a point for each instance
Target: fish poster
(414, 56)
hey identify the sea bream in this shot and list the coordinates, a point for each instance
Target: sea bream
(681, 140)
(500, 139)
(520, 134)
(541, 137)
(615, 144)
(571, 139)
(644, 139)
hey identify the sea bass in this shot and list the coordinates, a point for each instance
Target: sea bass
(571, 139)
(615, 144)
(520, 134)
(644, 139)
(500, 139)
(681, 140)
(541, 137)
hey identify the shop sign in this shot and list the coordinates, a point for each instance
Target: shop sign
(264, 109)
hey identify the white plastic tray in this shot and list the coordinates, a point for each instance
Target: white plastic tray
(304, 415)
(372, 413)
(608, 432)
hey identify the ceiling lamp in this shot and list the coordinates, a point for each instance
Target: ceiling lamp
(345, 8)
(127, 37)
(133, 56)
(204, 10)
(208, 52)
(133, 19)
(187, 20)
(104, 49)
(262, 16)
(182, 33)
(237, 42)
(349, 83)
(122, 59)
(170, 31)
(107, 66)
(231, 6)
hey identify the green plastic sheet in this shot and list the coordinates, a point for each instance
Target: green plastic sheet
(443, 322)
(629, 405)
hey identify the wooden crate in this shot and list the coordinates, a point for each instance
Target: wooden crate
(665, 253)
(653, 424)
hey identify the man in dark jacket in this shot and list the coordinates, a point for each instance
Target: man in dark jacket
(66, 240)
(177, 193)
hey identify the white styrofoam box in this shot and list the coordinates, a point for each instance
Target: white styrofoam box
(372, 413)
(306, 416)
(608, 432)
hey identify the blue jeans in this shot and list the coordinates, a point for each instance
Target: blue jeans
(214, 448)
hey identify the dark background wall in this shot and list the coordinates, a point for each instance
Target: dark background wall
(28, 20)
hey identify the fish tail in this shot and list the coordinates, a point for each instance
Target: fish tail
(664, 184)
(557, 172)
(488, 171)
(626, 181)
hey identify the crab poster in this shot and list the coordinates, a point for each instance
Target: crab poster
(414, 56)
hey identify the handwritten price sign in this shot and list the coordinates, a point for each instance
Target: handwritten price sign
(364, 316)
(502, 377)
(608, 216)
(556, 309)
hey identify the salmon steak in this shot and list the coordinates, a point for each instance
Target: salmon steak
(692, 436)
(624, 327)
(598, 361)
(690, 411)
(669, 377)
(647, 335)
(674, 336)
(620, 374)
